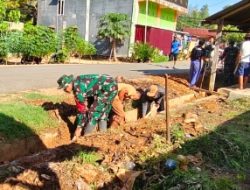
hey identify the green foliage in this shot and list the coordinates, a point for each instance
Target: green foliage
(3, 47)
(84, 48)
(193, 18)
(38, 41)
(71, 39)
(145, 52)
(192, 180)
(234, 36)
(114, 26)
(2, 10)
(142, 52)
(14, 41)
(18, 120)
(87, 157)
(4, 27)
(75, 44)
(158, 57)
(177, 133)
(14, 16)
(61, 56)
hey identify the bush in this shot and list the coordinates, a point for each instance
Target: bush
(158, 57)
(38, 41)
(3, 47)
(142, 52)
(84, 48)
(14, 40)
(145, 52)
(75, 44)
(60, 56)
(14, 16)
(4, 27)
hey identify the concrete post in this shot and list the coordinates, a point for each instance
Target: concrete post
(215, 58)
(87, 20)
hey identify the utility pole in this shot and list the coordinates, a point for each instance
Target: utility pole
(215, 58)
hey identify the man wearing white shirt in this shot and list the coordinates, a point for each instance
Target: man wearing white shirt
(244, 64)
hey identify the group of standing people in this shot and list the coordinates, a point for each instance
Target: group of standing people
(100, 100)
(236, 61)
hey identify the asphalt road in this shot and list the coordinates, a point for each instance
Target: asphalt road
(28, 77)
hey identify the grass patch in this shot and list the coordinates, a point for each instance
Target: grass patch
(192, 180)
(21, 120)
(225, 151)
(87, 157)
(39, 96)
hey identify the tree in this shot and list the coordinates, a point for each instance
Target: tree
(28, 8)
(193, 18)
(115, 28)
(232, 36)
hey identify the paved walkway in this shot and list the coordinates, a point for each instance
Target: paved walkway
(26, 77)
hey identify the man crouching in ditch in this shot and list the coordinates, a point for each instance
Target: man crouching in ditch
(102, 87)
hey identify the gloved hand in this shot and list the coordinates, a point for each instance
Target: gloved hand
(81, 107)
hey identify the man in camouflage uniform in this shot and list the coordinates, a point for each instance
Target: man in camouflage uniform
(229, 55)
(102, 87)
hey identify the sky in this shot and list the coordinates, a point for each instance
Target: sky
(213, 5)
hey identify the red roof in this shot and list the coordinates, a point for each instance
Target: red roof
(200, 32)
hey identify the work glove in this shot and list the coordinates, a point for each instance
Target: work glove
(81, 107)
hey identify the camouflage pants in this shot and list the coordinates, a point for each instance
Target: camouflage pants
(102, 104)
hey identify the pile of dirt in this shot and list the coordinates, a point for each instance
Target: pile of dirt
(55, 168)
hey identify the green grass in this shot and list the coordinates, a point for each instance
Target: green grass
(18, 119)
(87, 157)
(40, 96)
(225, 150)
(193, 180)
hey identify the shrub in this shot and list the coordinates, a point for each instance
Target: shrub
(14, 16)
(38, 41)
(14, 40)
(84, 48)
(142, 52)
(4, 27)
(158, 57)
(3, 47)
(60, 56)
(75, 44)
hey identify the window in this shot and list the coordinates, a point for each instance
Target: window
(61, 4)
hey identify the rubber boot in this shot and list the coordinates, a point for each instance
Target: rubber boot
(103, 125)
(89, 129)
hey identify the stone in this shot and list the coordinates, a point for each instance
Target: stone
(190, 117)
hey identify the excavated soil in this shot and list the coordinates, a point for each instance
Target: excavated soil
(56, 167)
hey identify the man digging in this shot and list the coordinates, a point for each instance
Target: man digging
(125, 92)
(153, 97)
(102, 87)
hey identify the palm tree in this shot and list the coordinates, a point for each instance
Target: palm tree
(115, 28)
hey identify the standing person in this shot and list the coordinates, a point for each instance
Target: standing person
(125, 92)
(244, 62)
(102, 87)
(195, 67)
(229, 56)
(153, 94)
(208, 54)
(175, 48)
